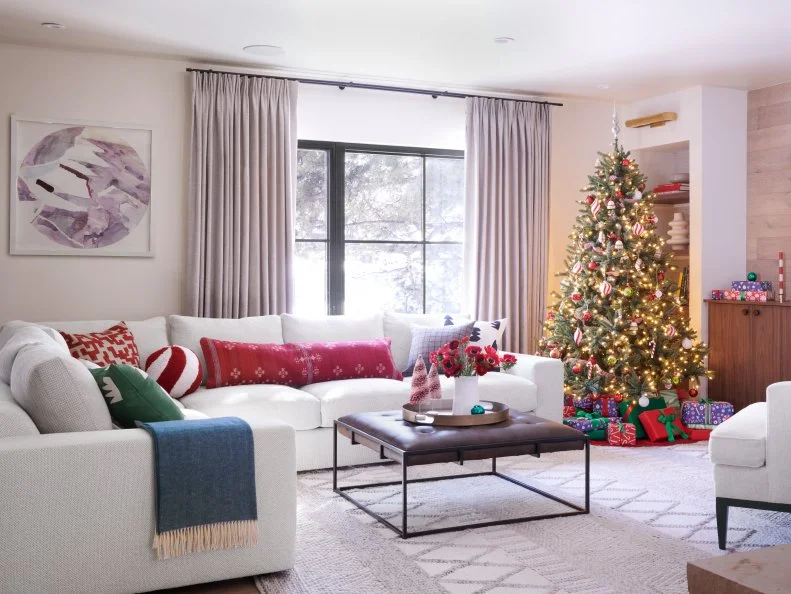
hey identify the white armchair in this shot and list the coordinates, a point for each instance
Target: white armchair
(750, 454)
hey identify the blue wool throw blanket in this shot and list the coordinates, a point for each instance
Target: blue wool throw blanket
(205, 485)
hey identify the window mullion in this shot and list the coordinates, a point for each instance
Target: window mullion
(336, 229)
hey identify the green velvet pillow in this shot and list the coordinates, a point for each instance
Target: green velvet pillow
(131, 395)
(653, 404)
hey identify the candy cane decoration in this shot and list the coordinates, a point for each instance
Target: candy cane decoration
(578, 337)
(595, 207)
(780, 279)
(653, 348)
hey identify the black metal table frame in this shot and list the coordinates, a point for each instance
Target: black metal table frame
(459, 450)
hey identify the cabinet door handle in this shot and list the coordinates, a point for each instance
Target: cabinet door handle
(745, 312)
(756, 312)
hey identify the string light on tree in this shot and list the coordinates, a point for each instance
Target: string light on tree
(618, 303)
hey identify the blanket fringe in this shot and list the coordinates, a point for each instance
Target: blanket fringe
(208, 537)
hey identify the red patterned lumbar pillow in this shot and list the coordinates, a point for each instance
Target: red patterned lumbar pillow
(111, 346)
(176, 368)
(296, 364)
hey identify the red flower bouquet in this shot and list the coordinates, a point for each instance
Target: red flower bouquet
(460, 358)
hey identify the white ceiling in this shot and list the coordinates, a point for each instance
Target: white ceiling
(562, 47)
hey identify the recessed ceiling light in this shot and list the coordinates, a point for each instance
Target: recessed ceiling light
(263, 50)
(602, 86)
(503, 40)
(53, 26)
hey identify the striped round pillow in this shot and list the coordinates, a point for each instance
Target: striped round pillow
(176, 368)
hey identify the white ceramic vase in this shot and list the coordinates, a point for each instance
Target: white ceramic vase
(465, 394)
(679, 232)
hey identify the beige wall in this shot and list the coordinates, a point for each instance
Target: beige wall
(768, 179)
(579, 130)
(154, 93)
(42, 83)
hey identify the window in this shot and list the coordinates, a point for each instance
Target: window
(378, 228)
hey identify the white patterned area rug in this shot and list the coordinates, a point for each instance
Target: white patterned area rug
(652, 510)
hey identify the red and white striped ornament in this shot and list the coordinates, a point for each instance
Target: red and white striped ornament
(176, 368)
(637, 229)
(605, 288)
(578, 337)
(670, 331)
(577, 268)
(595, 207)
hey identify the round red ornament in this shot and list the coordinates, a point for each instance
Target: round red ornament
(550, 315)
(619, 194)
(612, 235)
(587, 317)
(589, 199)
(626, 162)
(693, 392)
(660, 276)
(592, 265)
(577, 368)
(576, 297)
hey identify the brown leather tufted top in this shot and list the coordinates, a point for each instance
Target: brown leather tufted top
(522, 434)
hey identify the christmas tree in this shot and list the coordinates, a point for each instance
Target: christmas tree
(434, 387)
(619, 324)
(420, 386)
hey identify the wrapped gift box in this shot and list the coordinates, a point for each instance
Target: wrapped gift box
(630, 411)
(621, 434)
(752, 286)
(569, 411)
(717, 294)
(663, 425)
(705, 414)
(587, 424)
(606, 406)
(733, 295)
(585, 403)
(568, 400)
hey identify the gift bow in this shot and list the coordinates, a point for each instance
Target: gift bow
(597, 422)
(670, 427)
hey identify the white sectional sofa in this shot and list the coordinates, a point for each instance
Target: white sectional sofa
(79, 506)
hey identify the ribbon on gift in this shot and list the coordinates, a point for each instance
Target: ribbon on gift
(670, 427)
(597, 422)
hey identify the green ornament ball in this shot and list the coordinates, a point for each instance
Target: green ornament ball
(611, 360)
(628, 292)
(477, 410)
(751, 276)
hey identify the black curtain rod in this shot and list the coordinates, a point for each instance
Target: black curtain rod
(353, 85)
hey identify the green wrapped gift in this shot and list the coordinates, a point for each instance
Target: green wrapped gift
(630, 410)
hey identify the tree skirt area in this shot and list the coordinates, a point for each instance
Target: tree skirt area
(652, 510)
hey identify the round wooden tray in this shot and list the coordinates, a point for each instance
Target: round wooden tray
(438, 412)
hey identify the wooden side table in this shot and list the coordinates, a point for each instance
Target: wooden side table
(765, 571)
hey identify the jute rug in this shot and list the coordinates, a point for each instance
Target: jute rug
(652, 511)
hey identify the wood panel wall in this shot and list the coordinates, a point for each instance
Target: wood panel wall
(768, 179)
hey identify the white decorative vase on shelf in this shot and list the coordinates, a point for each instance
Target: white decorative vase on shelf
(679, 232)
(465, 394)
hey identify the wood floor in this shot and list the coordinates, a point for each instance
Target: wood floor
(240, 586)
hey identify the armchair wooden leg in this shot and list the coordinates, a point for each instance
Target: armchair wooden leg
(722, 522)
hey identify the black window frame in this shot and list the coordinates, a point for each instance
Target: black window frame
(336, 215)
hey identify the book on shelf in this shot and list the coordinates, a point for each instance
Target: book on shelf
(666, 188)
(683, 283)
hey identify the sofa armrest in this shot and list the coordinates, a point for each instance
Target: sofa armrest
(778, 441)
(83, 506)
(547, 375)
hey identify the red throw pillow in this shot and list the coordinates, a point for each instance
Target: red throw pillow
(655, 424)
(296, 364)
(111, 346)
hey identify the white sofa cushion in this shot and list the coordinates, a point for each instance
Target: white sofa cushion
(150, 334)
(344, 397)
(14, 421)
(398, 328)
(517, 392)
(258, 403)
(741, 440)
(187, 331)
(15, 336)
(331, 328)
(57, 391)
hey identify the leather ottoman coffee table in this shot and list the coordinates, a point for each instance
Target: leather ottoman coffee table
(414, 444)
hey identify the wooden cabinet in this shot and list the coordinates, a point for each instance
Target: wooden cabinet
(747, 349)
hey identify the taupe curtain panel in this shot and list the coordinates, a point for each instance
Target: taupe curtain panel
(243, 175)
(507, 213)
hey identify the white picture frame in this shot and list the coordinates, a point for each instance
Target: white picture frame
(80, 193)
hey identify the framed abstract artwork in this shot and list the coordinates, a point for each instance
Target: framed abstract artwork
(80, 189)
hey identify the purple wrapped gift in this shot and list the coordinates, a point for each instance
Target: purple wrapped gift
(585, 403)
(705, 414)
(752, 286)
(586, 425)
(717, 294)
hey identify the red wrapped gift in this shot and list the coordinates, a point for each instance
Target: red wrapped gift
(621, 434)
(568, 400)
(663, 424)
(569, 411)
